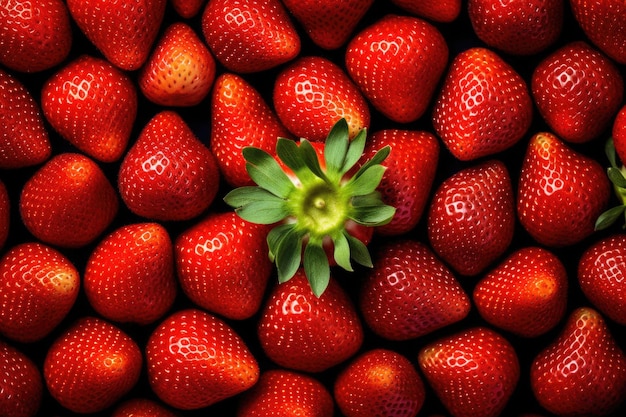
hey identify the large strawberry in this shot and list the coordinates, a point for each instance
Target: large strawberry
(397, 63)
(21, 385)
(5, 214)
(93, 105)
(435, 10)
(195, 359)
(141, 407)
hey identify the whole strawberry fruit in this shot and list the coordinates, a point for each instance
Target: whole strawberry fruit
(604, 23)
(21, 386)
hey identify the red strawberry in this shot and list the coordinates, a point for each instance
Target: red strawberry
(168, 174)
(91, 366)
(435, 10)
(473, 372)
(39, 287)
(195, 359)
(619, 133)
(249, 36)
(21, 386)
(141, 407)
(328, 23)
(5, 214)
(24, 137)
(187, 8)
(397, 62)
(484, 106)
(526, 294)
(518, 27)
(410, 292)
(123, 32)
(471, 220)
(301, 331)
(583, 372)
(68, 202)
(180, 71)
(313, 93)
(286, 393)
(93, 105)
(34, 35)
(129, 276)
(561, 192)
(578, 91)
(379, 382)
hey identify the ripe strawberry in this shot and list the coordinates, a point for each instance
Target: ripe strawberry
(561, 192)
(187, 8)
(180, 70)
(473, 372)
(313, 93)
(93, 105)
(24, 137)
(129, 276)
(286, 393)
(583, 372)
(435, 10)
(195, 359)
(34, 35)
(396, 55)
(5, 214)
(410, 292)
(141, 407)
(249, 36)
(577, 91)
(91, 366)
(471, 220)
(379, 382)
(483, 107)
(68, 202)
(618, 131)
(168, 174)
(21, 386)
(526, 294)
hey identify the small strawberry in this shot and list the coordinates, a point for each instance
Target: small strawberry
(436, 10)
(168, 174)
(141, 407)
(91, 366)
(68, 202)
(471, 220)
(93, 105)
(394, 56)
(195, 359)
(187, 8)
(618, 131)
(21, 385)
(577, 91)
(583, 372)
(5, 214)
(379, 382)
(473, 372)
(249, 36)
(484, 106)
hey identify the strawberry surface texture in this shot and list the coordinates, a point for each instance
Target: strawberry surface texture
(313, 208)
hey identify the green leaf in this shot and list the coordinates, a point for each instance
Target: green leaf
(310, 158)
(367, 182)
(373, 215)
(609, 217)
(245, 195)
(355, 151)
(288, 255)
(342, 252)
(336, 146)
(358, 251)
(266, 173)
(264, 211)
(617, 177)
(377, 159)
(275, 236)
(316, 267)
(609, 150)
(289, 152)
(367, 200)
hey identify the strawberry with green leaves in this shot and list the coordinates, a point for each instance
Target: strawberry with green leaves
(21, 384)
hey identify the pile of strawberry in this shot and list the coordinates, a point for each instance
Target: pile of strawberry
(312, 208)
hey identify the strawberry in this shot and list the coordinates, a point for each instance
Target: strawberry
(168, 174)
(222, 266)
(39, 287)
(436, 10)
(473, 372)
(180, 70)
(561, 192)
(328, 23)
(577, 91)
(129, 276)
(34, 35)
(583, 371)
(195, 359)
(141, 407)
(618, 131)
(284, 393)
(303, 332)
(379, 382)
(313, 93)
(24, 137)
(68, 202)
(91, 366)
(471, 220)
(21, 386)
(187, 8)
(484, 106)
(93, 105)
(394, 55)
(410, 292)
(249, 36)
(526, 294)
(5, 214)
(517, 27)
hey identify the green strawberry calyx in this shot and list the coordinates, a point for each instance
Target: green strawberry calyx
(310, 203)
(617, 176)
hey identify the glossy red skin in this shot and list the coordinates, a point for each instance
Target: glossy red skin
(435, 10)
(578, 91)
(583, 371)
(397, 63)
(187, 8)
(141, 407)
(604, 22)
(5, 215)
(195, 359)
(21, 384)
(561, 192)
(619, 133)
